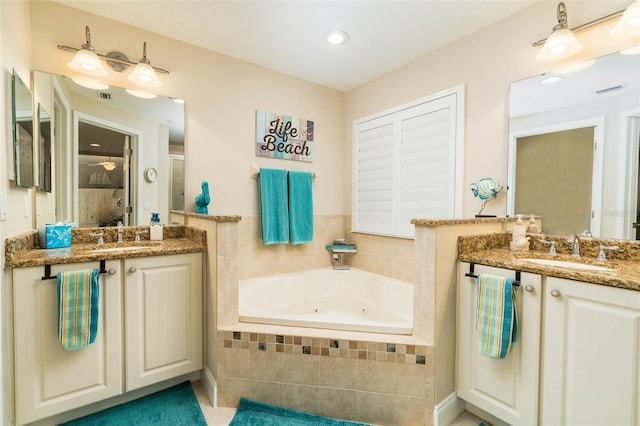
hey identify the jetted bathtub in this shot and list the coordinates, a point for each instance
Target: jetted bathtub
(351, 300)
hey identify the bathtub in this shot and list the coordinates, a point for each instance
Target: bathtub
(351, 300)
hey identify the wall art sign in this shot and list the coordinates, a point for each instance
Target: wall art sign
(283, 136)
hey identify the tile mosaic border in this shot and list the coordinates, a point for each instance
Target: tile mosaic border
(354, 349)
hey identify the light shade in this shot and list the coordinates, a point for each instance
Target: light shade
(560, 44)
(87, 62)
(141, 94)
(89, 84)
(337, 37)
(144, 75)
(629, 23)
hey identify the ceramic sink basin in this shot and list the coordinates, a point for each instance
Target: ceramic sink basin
(570, 265)
(112, 249)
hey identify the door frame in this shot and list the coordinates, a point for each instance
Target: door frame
(135, 141)
(630, 128)
(597, 168)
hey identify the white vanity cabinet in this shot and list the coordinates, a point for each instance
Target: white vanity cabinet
(591, 354)
(507, 388)
(49, 380)
(150, 330)
(163, 317)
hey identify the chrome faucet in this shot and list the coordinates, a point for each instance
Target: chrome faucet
(120, 232)
(575, 242)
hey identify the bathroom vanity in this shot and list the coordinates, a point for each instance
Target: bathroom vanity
(150, 323)
(578, 345)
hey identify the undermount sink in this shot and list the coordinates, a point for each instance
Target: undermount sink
(566, 264)
(111, 249)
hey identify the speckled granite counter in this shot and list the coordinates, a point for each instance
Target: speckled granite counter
(22, 250)
(490, 250)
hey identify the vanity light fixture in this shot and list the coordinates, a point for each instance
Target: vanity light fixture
(629, 24)
(88, 61)
(337, 37)
(552, 79)
(143, 74)
(631, 51)
(561, 43)
(575, 67)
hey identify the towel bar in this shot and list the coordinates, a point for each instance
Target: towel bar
(254, 171)
(48, 276)
(471, 274)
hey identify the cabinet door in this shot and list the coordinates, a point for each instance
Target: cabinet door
(163, 317)
(507, 388)
(591, 354)
(49, 380)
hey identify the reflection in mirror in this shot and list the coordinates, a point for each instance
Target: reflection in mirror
(22, 133)
(44, 150)
(177, 183)
(574, 148)
(110, 137)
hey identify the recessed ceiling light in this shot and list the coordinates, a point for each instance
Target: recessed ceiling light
(337, 37)
(550, 80)
(178, 100)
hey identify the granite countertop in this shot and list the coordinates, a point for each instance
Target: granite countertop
(22, 251)
(624, 273)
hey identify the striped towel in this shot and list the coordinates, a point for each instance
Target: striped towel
(77, 308)
(496, 316)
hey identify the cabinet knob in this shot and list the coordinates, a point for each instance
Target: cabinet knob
(132, 269)
(555, 293)
(112, 272)
(529, 288)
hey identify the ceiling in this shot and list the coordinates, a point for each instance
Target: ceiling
(287, 36)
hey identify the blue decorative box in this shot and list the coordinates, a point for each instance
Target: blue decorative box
(55, 236)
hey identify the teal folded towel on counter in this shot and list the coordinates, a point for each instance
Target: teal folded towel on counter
(496, 315)
(300, 207)
(274, 206)
(78, 300)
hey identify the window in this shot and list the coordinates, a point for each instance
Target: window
(407, 163)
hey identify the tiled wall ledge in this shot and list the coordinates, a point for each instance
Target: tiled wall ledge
(351, 380)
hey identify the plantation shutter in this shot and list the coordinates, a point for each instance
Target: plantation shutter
(405, 166)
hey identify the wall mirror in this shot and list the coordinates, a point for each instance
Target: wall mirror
(22, 133)
(104, 140)
(574, 148)
(44, 149)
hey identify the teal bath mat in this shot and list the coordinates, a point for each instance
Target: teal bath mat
(176, 406)
(254, 413)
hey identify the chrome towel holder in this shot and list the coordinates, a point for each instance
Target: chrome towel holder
(472, 274)
(48, 276)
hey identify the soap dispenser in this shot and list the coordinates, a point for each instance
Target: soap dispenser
(155, 228)
(519, 241)
(533, 226)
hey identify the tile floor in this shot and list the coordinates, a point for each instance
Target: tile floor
(221, 416)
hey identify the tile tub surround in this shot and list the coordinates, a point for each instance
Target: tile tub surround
(491, 250)
(22, 250)
(376, 382)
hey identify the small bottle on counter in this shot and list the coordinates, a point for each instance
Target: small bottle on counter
(533, 226)
(519, 241)
(155, 228)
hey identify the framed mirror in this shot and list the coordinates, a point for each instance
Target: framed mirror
(104, 140)
(23, 160)
(574, 148)
(44, 150)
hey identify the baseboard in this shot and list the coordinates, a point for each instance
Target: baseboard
(210, 387)
(445, 412)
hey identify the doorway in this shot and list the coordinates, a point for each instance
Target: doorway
(105, 168)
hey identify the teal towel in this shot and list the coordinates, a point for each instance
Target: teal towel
(496, 316)
(274, 206)
(300, 207)
(78, 293)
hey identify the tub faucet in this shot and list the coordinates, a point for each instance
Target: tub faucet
(120, 232)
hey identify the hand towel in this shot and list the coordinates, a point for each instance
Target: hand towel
(496, 316)
(78, 293)
(274, 206)
(300, 207)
